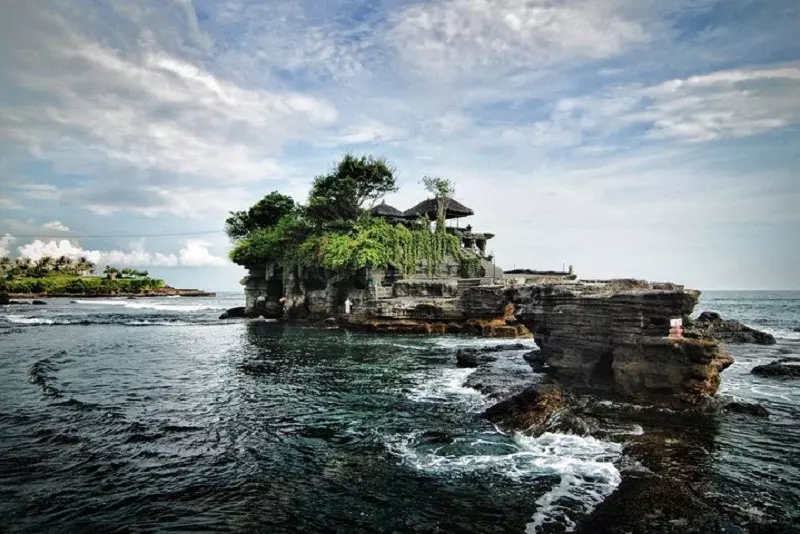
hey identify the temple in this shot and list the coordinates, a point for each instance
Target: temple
(429, 296)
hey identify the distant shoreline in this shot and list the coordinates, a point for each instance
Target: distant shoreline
(166, 292)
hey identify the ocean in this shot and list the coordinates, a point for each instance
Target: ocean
(121, 415)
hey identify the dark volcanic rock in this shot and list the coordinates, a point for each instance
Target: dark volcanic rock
(653, 504)
(473, 357)
(4, 299)
(710, 324)
(616, 340)
(535, 359)
(785, 367)
(746, 408)
(234, 313)
(532, 406)
(38, 303)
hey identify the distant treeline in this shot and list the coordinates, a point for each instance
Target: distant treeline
(80, 285)
(68, 276)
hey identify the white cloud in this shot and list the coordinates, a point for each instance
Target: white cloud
(5, 243)
(56, 225)
(141, 113)
(194, 254)
(457, 36)
(10, 204)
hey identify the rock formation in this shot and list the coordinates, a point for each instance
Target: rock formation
(613, 337)
(607, 335)
(710, 324)
(783, 368)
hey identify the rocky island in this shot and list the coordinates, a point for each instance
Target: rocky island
(420, 271)
(609, 352)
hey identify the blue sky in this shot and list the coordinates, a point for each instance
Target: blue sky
(654, 139)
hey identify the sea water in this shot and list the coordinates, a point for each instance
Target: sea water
(151, 414)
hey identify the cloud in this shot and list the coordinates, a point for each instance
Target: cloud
(5, 243)
(194, 254)
(138, 116)
(459, 36)
(10, 204)
(56, 225)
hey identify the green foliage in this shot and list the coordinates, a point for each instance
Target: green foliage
(263, 214)
(374, 243)
(333, 233)
(58, 284)
(44, 266)
(276, 243)
(338, 197)
(470, 267)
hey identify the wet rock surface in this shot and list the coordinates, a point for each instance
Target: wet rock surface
(651, 503)
(473, 357)
(783, 368)
(238, 312)
(530, 407)
(746, 408)
(711, 324)
(614, 338)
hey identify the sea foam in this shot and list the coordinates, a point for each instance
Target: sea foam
(142, 305)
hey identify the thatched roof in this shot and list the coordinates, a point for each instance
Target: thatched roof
(427, 208)
(385, 210)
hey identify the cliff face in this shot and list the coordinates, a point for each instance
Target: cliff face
(615, 337)
(610, 336)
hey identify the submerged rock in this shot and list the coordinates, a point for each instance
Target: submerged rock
(532, 406)
(651, 503)
(746, 408)
(234, 313)
(786, 367)
(711, 324)
(473, 357)
(38, 303)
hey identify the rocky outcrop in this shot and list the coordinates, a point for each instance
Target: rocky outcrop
(530, 407)
(783, 368)
(239, 312)
(710, 324)
(610, 335)
(473, 357)
(614, 337)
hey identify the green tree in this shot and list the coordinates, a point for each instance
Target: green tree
(263, 214)
(339, 197)
(442, 190)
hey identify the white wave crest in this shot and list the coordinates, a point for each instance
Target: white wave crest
(585, 466)
(444, 386)
(142, 305)
(21, 319)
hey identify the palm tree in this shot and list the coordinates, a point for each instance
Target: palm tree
(23, 266)
(84, 267)
(62, 264)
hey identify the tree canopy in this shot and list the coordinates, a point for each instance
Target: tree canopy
(442, 190)
(340, 195)
(263, 214)
(334, 231)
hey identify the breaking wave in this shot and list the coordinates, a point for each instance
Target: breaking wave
(140, 305)
(582, 467)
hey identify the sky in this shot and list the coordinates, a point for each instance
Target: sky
(651, 139)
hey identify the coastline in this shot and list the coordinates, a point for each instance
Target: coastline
(164, 292)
